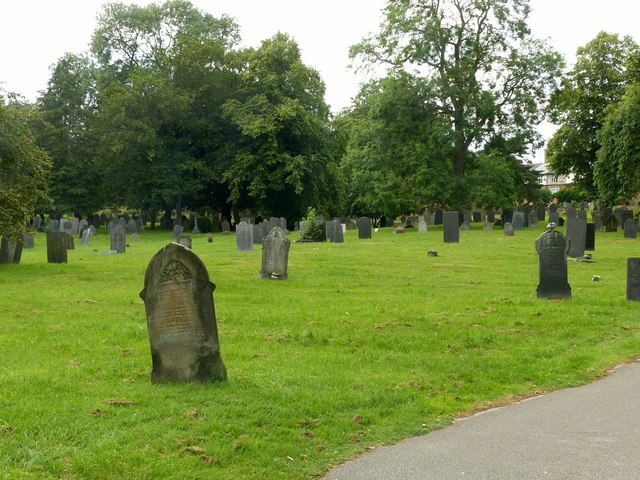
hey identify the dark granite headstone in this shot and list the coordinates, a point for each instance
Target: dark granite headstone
(518, 221)
(612, 224)
(630, 228)
(506, 216)
(590, 238)
(477, 216)
(178, 299)
(582, 214)
(552, 260)
(541, 211)
(451, 228)
(119, 238)
(532, 218)
(56, 247)
(364, 228)
(605, 214)
(215, 224)
(508, 229)
(553, 208)
(275, 255)
(633, 279)
(244, 237)
(438, 217)
(576, 236)
(491, 216)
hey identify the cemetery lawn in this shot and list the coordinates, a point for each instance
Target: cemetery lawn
(367, 343)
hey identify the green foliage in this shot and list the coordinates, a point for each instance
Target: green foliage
(357, 349)
(596, 81)
(204, 224)
(24, 167)
(312, 230)
(573, 194)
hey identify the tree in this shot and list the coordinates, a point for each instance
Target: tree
(67, 107)
(396, 155)
(23, 167)
(488, 75)
(617, 168)
(597, 80)
(282, 158)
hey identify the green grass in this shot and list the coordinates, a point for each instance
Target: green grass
(368, 342)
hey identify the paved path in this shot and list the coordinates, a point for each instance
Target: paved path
(591, 432)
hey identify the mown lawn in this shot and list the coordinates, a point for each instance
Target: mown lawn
(368, 342)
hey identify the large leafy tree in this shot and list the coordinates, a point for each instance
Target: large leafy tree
(488, 75)
(156, 62)
(67, 108)
(282, 156)
(24, 167)
(596, 81)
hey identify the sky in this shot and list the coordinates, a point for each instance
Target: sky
(34, 34)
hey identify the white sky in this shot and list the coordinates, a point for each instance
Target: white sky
(34, 34)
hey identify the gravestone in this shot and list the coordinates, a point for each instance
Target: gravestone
(132, 226)
(590, 238)
(450, 229)
(554, 217)
(576, 236)
(177, 231)
(491, 216)
(533, 219)
(508, 229)
(226, 227)
(70, 242)
(118, 238)
(364, 228)
(605, 214)
(552, 263)
(65, 225)
(438, 217)
(466, 217)
(466, 225)
(518, 221)
(282, 223)
(81, 226)
(244, 237)
(56, 247)
(422, 226)
(215, 224)
(597, 220)
(257, 234)
(28, 240)
(181, 318)
(582, 214)
(477, 216)
(331, 227)
(275, 255)
(10, 250)
(612, 224)
(571, 212)
(506, 216)
(185, 241)
(140, 222)
(553, 208)
(275, 222)
(541, 211)
(75, 225)
(37, 222)
(630, 229)
(264, 228)
(86, 237)
(633, 279)
(110, 226)
(618, 214)
(488, 226)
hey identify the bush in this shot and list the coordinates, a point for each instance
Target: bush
(204, 224)
(313, 232)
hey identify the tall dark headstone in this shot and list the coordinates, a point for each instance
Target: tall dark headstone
(554, 217)
(437, 220)
(244, 237)
(630, 228)
(582, 214)
(571, 212)
(576, 236)
(541, 211)
(364, 228)
(518, 221)
(119, 238)
(477, 216)
(178, 300)
(633, 279)
(56, 247)
(605, 214)
(590, 239)
(552, 261)
(612, 224)
(553, 208)
(491, 216)
(506, 216)
(275, 255)
(450, 229)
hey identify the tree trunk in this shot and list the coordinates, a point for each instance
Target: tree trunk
(179, 210)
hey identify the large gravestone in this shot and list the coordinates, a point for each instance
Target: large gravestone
(624, 216)
(450, 229)
(178, 300)
(56, 247)
(532, 219)
(275, 222)
(590, 239)
(119, 238)
(630, 228)
(275, 255)
(87, 233)
(244, 237)
(576, 236)
(633, 279)
(553, 208)
(364, 227)
(282, 223)
(552, 260)
(331, 227)
(132, 226)
(506, 216)
(508, 229)
(518, 221)
(75, 225)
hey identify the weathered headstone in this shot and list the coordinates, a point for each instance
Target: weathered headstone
(541, 211)
(633, 279)
(275, 222)
(612, 224)
(554, 217)
(466, 225)
(582, 214)
(10, 250)
(257, 234)
(571, 211)
(86, 237)
(422, 226)
(508, 229)
(576, 236)
(118, 238)
(518, 221)
(282, 223)
(110, 226)
(450, 229)
(28, 240)
(70, 242)
(364, 227)
(630, 229)
(244, 237)
(81, 226)
(553, 208)
(552, 261)
(226, 227)
(334, 231)
(275, 255)
(177, 231)
(178, 299)
(590, 238)
(132, 226)
(533, 219)
(37, 222)
(56, 247)
(477, 216)
(185, 241)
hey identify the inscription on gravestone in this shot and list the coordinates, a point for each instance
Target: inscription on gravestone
(450, 229)
(552, 262)
(178, 299)
(633, 279)
(275, 255)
